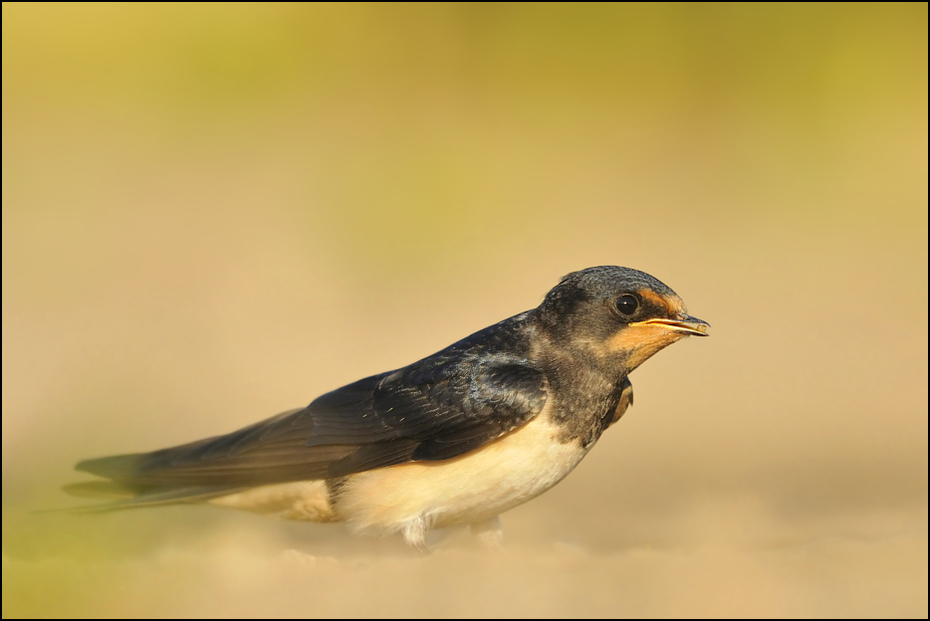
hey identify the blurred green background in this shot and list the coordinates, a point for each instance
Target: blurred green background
(212, 213)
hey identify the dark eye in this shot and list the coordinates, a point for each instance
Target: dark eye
(627, 304)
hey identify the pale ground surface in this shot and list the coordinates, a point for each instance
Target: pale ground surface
(177, 266)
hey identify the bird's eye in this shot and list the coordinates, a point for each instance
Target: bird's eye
(627, 304)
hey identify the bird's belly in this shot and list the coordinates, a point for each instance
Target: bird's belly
(467, 489)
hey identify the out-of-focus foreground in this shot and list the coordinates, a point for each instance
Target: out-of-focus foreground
(212, 213)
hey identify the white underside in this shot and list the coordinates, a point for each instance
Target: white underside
(465, 490)
(412, 498)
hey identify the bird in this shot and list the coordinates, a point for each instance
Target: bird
(456, 438)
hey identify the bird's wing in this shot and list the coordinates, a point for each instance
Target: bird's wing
(435, 409)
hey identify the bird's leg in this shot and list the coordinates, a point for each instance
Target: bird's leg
(414, 532)
(489, 532)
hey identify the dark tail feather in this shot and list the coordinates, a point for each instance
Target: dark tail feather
(124, 472)
(148, 499)
(120, 468)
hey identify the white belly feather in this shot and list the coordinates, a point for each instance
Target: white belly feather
(471, 488)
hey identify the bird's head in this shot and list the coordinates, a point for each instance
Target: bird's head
(618, 314)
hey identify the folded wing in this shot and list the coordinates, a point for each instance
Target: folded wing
(435, 409)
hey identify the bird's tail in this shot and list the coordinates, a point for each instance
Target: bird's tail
(127, 493)
(121, 469)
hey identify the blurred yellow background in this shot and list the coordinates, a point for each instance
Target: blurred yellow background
(213, 213)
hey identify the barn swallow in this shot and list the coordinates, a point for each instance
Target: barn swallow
(458, 437)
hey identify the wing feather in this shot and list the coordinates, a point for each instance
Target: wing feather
(438, 408)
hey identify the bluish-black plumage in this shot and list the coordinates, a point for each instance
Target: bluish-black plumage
(437, 408)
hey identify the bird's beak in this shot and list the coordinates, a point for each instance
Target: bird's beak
(685, 324)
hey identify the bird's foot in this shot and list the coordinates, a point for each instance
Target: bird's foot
(489, 533)
(414, 532)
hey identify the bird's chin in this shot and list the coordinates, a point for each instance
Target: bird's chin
(641, 340)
